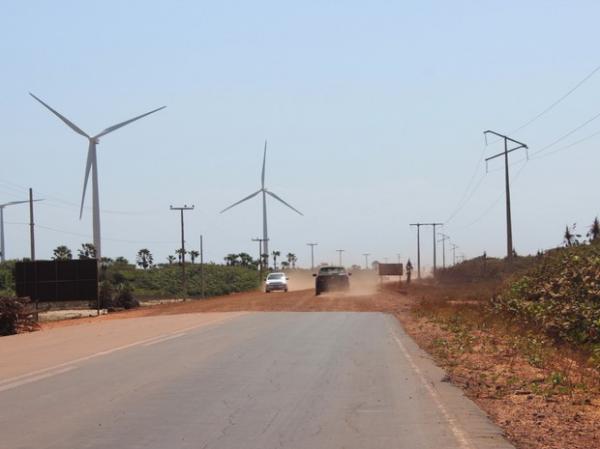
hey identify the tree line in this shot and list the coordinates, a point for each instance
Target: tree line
(145, 260)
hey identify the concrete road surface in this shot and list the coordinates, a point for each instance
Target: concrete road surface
(239, 381)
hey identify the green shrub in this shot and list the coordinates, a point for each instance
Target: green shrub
(124, 297)
(7, 283)
(165, 281)
(560, 294)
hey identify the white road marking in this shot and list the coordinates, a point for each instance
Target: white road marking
(50, 371)
(167, 338)
(459, 434)
(18, 383)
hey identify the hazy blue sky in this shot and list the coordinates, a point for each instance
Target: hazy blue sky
(374, 113)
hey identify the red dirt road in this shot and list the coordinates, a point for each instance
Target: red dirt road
(294, 301)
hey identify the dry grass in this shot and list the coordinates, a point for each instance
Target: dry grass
(544, 395)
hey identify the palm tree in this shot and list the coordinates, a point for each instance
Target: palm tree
(62, 253)
(231, 259)
(275, 255)
(180, 252)
(87, 251)
(594, 231)
(193, 255)
(245, 259)
(570, 238)
(292, 259)
(144, 258)
(171, 259)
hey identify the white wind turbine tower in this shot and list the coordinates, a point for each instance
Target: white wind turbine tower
(264, 192)
(2, 206)
(92, 165)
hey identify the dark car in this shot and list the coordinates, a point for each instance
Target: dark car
(331, 279)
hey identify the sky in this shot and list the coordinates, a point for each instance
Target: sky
(374, 114)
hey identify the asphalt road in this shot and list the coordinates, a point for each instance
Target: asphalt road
(240, 381)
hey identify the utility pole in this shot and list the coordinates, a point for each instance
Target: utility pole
(31, 229)
(435, 246)
(418, 225)
(2, 243)
(443, 240)
(260, 257)
(454, 253)
(509, 241)
(399, 257)
(202, 266)
(340, 251)
(366, 260)
(183, 279)
(312, 255)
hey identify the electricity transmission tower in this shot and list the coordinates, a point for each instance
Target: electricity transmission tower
(443, 240)
(418, 225)
(340, 251)
(366, 260)
(509, 241)
(312, 255)
(183, 279)
(454, 253)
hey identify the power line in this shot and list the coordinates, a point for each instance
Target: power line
(466, 201)
(460, 203)
(493, 204)
(70, 205)
(77, 234)
(557, 102)
(566, 147)
(564, 136)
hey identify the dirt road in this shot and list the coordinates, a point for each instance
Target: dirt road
(361, 300)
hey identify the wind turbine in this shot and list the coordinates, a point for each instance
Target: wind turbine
(2, 206)
(92, 164)
(264, 192)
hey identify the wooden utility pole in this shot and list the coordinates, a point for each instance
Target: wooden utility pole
(454, 253)
(312, 255)
(340, 251)
(418, 225)
(509, 239)
(366, 260)
(31, 225)
(183, 278)
(260, 257)
(443, 240)
(202, 266)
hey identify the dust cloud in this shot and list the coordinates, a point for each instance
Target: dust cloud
(362, 282)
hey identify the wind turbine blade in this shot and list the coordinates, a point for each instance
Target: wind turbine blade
(88, 167)
(242, 200)
(288, 205)
(69, 123)
(110, 129)
(263, 167)
(12, 203)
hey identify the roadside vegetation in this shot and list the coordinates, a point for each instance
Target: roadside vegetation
(522, 338)
(16, 315)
